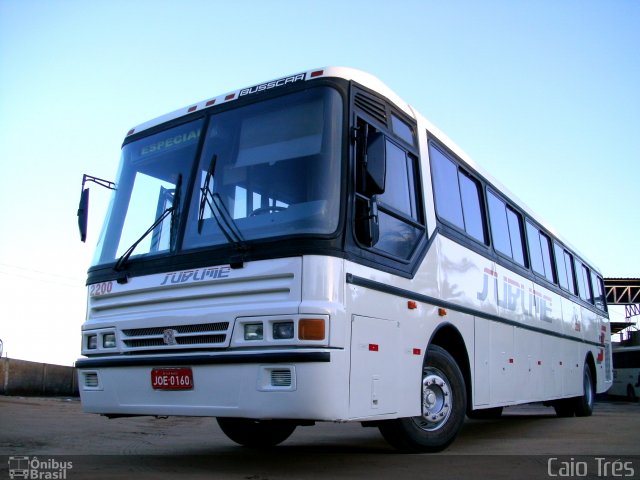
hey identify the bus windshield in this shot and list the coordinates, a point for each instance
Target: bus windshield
(265, 170)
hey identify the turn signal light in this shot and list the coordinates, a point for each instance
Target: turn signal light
(311, 329)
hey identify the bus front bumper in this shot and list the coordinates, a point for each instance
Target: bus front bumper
(295, 384)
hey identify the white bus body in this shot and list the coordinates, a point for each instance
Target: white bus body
(367, 303)
(626, 372)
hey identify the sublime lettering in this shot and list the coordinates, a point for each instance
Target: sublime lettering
(512, 295)
(197, 275)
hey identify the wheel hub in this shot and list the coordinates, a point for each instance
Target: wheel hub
(436, 400)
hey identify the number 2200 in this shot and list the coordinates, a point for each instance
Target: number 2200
(100, 289)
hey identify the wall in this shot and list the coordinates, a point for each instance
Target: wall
(21, 377)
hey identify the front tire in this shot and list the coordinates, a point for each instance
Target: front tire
(444, 400)
(256, 433)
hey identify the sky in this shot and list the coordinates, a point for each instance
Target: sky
(543, 94)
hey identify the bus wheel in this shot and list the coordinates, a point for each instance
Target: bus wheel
(584, 404)
(256, 433)
(444, 400)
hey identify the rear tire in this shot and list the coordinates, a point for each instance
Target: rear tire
(256, 433)
(584, 404)
(581, 406)
(444, 400)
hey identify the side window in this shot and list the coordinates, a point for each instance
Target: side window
(547, 257)
(472, 206)
(388, 215)
(402, 130)
(398, 214)
(515, 233)
(506, 229)
(540, 251)
(571, 274)
(398, 181)
(598, 292)
(533, 237)
(445, 186)
(499, 225)
(458, 195)
(584, 282)
(562, 268)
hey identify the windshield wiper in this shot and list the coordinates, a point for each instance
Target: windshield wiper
(219, 211)
(166, 212)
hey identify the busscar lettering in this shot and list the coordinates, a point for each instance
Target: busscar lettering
(513, 296)
(273, 84)
(197, 275)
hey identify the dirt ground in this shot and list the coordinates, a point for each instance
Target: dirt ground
(527, 442)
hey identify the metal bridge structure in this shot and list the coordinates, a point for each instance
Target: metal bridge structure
(623, 291)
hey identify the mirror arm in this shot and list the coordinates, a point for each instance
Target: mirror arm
(100, 181)
(83, 207)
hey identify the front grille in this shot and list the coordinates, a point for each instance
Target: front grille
(177, 336)
(200, 327)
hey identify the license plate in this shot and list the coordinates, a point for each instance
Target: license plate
(172, 378)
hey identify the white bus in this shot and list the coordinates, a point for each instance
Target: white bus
(626, 372)
(313, 249)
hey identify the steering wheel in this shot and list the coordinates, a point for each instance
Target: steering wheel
(267, 209)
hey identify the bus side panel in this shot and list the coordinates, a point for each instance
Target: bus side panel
(502, 358)
(388, 343)
(482, 371)
(529, 377)
(374, 366)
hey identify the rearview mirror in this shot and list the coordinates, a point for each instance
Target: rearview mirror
(83, 206)
(83, 214)
(375, 164)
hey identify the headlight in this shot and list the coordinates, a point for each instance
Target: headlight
(253, 331)
(92, 342)
(109, 340)
(282, 330)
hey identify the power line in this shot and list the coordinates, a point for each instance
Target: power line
(40, 276)
(39, 272)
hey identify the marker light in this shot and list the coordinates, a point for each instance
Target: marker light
(282, 330)
(92, 342)
(109, 340)
(253, 331)
(311, 329)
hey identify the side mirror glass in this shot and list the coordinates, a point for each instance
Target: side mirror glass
(83, 207)
(83, 214)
